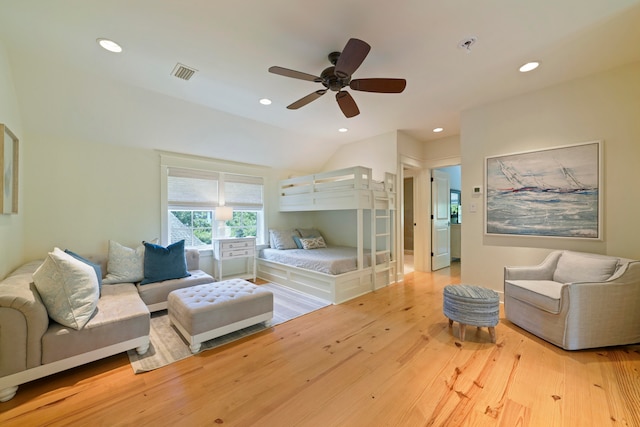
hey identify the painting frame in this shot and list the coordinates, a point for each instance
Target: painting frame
(553, 192)
(9, 162)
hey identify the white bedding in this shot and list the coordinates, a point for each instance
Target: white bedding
(331, 260)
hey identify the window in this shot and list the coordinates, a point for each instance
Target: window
(193, 197)
(456, 207)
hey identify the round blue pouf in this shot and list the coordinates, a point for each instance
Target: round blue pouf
(471, 305)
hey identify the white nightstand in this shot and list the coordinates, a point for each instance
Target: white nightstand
(225, 249)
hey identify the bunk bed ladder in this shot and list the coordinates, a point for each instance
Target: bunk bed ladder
(381, 204)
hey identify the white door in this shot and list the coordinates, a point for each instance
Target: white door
(440, 222)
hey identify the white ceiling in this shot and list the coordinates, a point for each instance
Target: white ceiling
(69, 87)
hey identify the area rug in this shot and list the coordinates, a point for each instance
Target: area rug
(168, 346)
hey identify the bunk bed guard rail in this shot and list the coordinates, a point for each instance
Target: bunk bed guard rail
(348, 188)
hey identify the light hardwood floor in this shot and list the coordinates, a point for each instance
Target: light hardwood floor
(385, 359)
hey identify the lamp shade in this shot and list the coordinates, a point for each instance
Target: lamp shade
(224, 213)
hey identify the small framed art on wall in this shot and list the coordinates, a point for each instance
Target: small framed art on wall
(9, 152)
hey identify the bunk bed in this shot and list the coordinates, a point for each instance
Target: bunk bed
(345, 189)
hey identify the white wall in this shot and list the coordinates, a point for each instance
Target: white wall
(11, 226)
(409, 147)
(380, 153)
(442, 152)
(80, 194)
(605, 107)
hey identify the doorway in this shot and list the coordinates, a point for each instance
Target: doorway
(454, 214)
(409, 222)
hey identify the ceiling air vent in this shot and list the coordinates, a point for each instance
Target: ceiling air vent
(183, 72)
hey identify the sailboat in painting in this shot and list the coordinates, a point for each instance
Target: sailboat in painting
(546, 193)
(531, 182)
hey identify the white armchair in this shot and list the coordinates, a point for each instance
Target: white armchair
(576, 300)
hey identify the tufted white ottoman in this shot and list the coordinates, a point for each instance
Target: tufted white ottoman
(204, 312)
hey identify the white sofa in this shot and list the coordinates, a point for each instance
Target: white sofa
(576, 300)
(33, 346)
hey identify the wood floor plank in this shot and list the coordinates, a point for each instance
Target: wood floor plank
(385, 359)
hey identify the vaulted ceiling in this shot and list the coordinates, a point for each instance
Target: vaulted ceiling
(67, 86)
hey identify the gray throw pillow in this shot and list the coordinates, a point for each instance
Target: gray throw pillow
(282, 239)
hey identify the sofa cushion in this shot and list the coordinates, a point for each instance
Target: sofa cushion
(162, 263)
(121, 316)
(543, 294)
(573, 267)
(157, 292)
(68, 288)
(124, 264)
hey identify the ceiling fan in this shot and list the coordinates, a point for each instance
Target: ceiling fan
(338, 76)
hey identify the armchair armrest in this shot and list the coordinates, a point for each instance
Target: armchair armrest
(542, 271)
(605, 313)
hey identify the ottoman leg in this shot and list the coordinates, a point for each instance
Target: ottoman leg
(492, 333)
(450, 322)
(463, 329)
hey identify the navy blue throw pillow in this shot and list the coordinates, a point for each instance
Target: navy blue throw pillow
(162, 263)
(95, 266)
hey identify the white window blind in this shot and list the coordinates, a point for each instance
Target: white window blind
(192, 189)
(243, 192)
(198, 189)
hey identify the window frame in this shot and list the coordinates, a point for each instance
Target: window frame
(172, 160)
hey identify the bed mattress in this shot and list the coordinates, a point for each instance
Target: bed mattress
(331, 260)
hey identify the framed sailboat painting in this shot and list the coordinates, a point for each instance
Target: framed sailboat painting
(554, 192)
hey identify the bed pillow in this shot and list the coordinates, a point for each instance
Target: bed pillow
(308, 232)
(162, 263)
(313, 243)
(583, 268)
(125, 265)
(68, 288)
(282, 239)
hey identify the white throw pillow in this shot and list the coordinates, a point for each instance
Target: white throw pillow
(68, 288)
(124, 264)
(574, 267)
(313, 243)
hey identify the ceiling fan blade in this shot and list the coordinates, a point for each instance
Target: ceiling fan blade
(307, 99)
(379, 85)
(347, 104)
(351, 57)
(294, 74)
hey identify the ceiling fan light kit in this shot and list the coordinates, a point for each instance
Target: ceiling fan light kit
(338, 76)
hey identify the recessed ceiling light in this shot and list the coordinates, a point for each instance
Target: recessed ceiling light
(110, 45)
(343, 130)
(529, 66)
(436, 130)
(265, 101)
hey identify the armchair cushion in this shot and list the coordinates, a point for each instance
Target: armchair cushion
(578, 267)
(543, 294)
